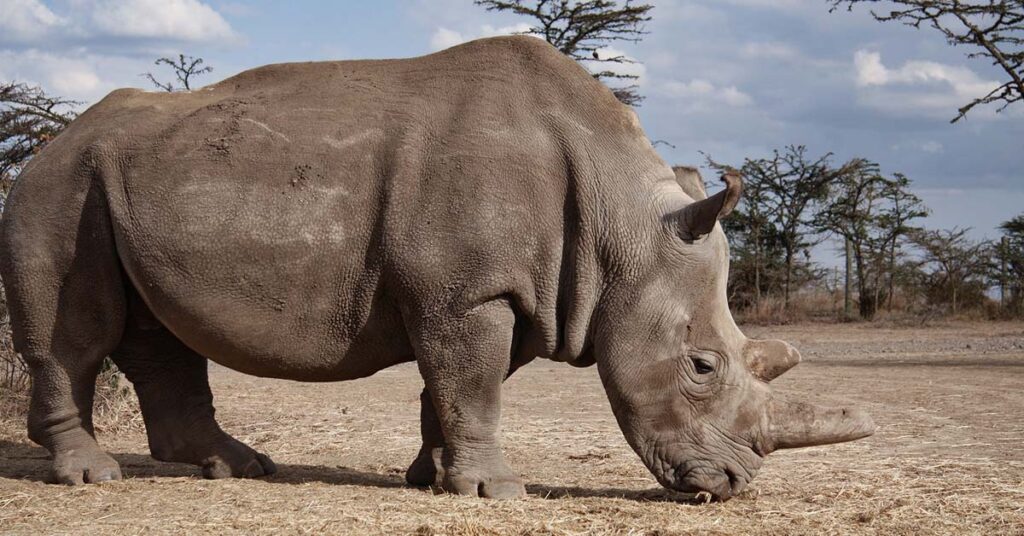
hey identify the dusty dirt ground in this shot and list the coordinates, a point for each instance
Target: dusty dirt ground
(947, 458)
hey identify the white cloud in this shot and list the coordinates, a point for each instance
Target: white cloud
(443, 38)
(927, 146)
(932, 147)
(921, 85)
(769, 50)
(870, 71)
(26, 20)
(185, 20)
(89, 47)
(78, 76)
(702, 94)
(770, 4)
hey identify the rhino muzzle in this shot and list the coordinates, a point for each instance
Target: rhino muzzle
(722, 483)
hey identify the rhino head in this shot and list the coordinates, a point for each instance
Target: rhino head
(689, 390)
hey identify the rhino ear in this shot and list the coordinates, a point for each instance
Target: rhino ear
(768, 359)
(690, 181)
(698, 218)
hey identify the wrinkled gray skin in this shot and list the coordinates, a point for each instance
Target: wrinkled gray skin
(470, 210)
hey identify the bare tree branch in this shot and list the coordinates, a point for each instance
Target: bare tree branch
(29, 118)
(184, 67)
(582, 29)
(994, 29)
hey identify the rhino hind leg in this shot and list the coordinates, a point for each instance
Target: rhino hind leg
(66, 302)
(464, 359)
(177, 405)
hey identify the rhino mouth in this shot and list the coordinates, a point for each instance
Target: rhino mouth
(722, 481)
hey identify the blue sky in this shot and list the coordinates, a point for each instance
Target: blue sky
(733, 78)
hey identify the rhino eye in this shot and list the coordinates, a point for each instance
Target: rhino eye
(702, 366)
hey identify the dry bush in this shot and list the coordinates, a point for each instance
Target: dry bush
(115, 408)
(14, 377)
(803, 307)
(817, 304)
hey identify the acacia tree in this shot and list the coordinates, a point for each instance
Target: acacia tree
(789, 189)
(757, 257)
(29, 118)
(903, 207)
(953, 265)
(1010, 263)
(991, 29)
(184, 68)
(872, 214)
(583, 30)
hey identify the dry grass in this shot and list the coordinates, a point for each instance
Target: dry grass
(946, 460)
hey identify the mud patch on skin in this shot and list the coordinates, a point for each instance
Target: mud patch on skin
(303, 174)
(220, 146)
(227, 130)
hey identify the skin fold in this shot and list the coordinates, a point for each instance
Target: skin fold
(470, 210)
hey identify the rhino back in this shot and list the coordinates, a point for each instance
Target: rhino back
(285, 220)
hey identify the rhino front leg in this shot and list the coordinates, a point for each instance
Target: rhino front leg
(463, 360)
(426, 469)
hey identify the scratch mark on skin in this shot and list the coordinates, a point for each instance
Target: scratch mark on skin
(268, 129)
(351, 140)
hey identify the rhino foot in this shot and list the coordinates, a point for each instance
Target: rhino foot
(426, 470)
(233, 458)
(84, 466)
(499, 484)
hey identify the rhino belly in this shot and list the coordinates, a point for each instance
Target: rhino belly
(265, 265)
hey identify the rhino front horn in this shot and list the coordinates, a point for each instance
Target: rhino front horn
(698, 218)
(798, 424)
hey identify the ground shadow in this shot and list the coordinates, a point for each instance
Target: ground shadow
(24, 461)
(645, 495)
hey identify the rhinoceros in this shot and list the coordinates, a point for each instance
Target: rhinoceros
(470, 210)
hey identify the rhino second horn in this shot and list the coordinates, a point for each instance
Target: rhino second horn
(698, 218)
(800, 424)
(769, 359)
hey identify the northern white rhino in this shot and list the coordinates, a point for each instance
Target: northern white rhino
(471, 210)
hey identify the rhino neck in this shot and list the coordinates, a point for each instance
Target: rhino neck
(608, 238)
(581, 279)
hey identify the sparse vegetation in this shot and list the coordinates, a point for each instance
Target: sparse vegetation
(792, 202)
